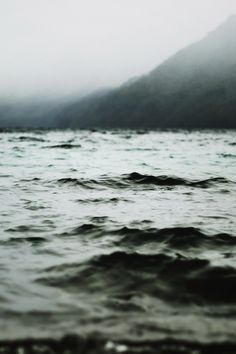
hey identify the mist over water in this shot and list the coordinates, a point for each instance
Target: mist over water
(119, 236)
(67, 48)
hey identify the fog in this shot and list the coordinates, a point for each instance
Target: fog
(55, 48)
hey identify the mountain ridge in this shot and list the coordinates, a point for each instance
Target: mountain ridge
(194, 88)
(161, 98)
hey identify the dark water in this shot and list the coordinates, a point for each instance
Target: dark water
(125, 241)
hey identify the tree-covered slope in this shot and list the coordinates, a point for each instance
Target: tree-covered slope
(196, 88)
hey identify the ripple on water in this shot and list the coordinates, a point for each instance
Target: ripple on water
(123, 237)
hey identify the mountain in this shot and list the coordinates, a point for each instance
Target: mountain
(195, 88)
(29, 114)
(39, 113)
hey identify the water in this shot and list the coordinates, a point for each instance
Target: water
(126, 238)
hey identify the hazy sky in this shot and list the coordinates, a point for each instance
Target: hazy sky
(68, 46)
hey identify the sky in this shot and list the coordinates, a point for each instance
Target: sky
(57, 48)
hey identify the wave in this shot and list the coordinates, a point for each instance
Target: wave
(102, 200)
(136, 179)
(84, 229)
(164, 180)
(174, 279)
(17, 240)
(24, 229)
(89, 184)
(64, 146)
(27, 138)
(179, 238)
(228, 155)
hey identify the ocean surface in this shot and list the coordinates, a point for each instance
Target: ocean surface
(117, 242)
